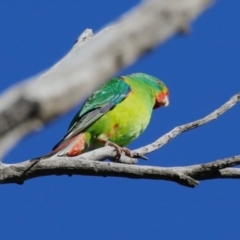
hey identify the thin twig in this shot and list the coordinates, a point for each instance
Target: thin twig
(186, 127)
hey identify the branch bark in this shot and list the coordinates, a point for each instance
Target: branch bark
(186, 176)
(91, 163)
(137, 32)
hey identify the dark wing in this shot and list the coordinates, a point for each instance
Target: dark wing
(100, 102)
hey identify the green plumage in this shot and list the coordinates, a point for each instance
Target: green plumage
(119, 111)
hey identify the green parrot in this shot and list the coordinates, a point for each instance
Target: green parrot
(115, 114)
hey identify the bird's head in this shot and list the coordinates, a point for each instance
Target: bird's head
(157, 88)
(162, 95)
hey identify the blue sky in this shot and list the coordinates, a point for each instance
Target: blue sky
(201, 71)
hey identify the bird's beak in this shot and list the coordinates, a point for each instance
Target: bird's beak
(166, 101)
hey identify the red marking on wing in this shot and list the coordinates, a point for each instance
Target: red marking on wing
(78, 146)
(115, 127)
(111, 133)
(60, 147)
(64, 144)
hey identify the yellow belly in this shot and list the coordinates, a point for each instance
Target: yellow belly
(124, 123)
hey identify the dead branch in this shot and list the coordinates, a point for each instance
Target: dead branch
(186, 176)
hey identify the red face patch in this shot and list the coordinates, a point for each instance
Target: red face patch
(160, 100)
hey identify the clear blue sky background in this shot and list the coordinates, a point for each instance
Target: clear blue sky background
(201, 71)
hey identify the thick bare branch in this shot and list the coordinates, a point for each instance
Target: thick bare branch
(216, 169)
(230, 173)
(46, 96)
(187, 176)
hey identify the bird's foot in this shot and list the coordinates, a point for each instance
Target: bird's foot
(131, 157)
(119, 150)
(133, 154)
(139, 155)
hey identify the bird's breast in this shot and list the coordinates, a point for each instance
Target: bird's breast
(125, 122)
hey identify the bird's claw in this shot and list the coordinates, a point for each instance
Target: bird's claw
(139, 155)
(131, 155)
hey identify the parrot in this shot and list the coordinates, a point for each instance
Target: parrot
(114, 115)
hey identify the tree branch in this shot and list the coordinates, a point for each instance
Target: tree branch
(189, 126)
(90, 163)
(133, 35)
(186, 176)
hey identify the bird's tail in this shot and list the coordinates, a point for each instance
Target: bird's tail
(67, 147)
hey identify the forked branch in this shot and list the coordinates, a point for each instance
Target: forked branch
(92, 164)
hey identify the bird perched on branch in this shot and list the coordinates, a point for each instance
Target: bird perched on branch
(115, 114)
